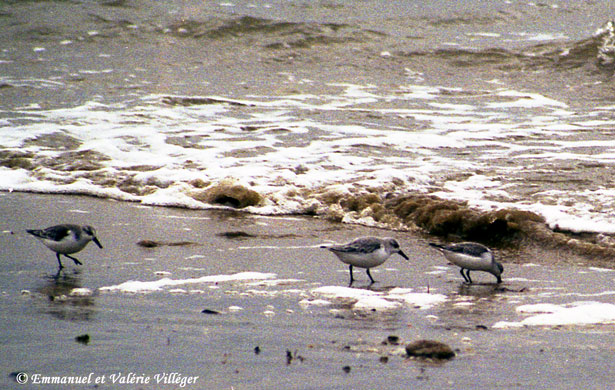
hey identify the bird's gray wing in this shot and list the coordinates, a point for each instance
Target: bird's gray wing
(468, 248)
(360, 245)
(56, 233)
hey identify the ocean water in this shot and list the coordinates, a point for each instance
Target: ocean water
(491, 121)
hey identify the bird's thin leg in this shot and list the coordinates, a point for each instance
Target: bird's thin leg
(466, 275)
(370, 276)
(73, 259)
(351, 277)
(465, 279)
(469, 278)
(59, 261)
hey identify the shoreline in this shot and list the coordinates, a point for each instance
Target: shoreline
(512, 232)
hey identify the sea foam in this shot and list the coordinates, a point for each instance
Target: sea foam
(293, 150)
(135, 286)
(576, 313)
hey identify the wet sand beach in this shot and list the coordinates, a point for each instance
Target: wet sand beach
(222, 300)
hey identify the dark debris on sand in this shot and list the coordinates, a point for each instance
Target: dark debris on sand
(156, 244)
(83, 339)
(429, 349)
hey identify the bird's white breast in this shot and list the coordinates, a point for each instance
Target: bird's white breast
(470, 262)
(365, 260)
(66, 245)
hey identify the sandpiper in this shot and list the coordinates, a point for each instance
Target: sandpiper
(366, 252)
(66, 239)
(471, 256)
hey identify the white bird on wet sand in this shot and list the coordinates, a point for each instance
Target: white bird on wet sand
(66, 239)
(366, 252)
(471, 256)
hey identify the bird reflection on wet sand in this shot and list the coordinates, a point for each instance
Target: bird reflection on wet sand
(66, 298)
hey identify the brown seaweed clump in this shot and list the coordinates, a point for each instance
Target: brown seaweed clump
(442, 217)
(228, 194)
(454, 218)
(429, 349)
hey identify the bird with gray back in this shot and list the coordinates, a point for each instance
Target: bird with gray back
(366, 252)
(66, 239)
(471, 256)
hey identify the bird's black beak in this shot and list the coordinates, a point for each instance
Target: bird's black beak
(402, 254)
(97, 242)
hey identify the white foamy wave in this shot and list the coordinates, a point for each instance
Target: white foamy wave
(367, 301)
(495, 149)
(135, 286)
(577, 313)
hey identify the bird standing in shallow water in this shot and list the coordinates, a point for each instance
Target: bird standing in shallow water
(366, 252)
(66, 239)
(471, 256)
